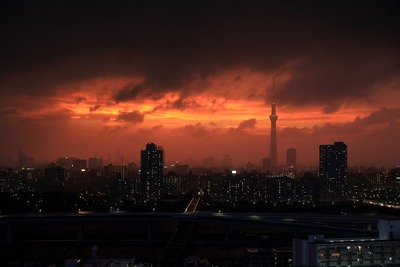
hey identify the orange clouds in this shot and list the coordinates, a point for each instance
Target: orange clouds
(198, 79)
(209, 118)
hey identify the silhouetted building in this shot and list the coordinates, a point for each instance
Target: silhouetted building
(227, 162)
(151, 171)
(121, 188)
(5, 180)
(307, 189)
(233, 189)
(333, 171)
(273, 152)
(95, 164)
(121, 170)
(66, 162)
(170, 184)
(394, 176)
(79, 165)
(24, 160)
(259, 257)
(250, 166)
(279, 188)
(54, 177)
(291, 157)
(209, 162)
(181, 169)
(266, 164)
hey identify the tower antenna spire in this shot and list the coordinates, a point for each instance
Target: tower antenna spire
(273, 83)
(273, 153)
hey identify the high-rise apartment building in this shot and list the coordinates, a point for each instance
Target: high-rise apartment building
(54, 177)
(291, 157)
(151, 171)
(333, 171)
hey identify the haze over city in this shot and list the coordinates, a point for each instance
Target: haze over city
(91, 79)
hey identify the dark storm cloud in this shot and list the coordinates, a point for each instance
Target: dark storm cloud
(383, 115)
(8, 112)
(197, 130)
(179, 104)
(388, 118)
(57, 116)
(142, 91)
(183, 104)
(247, 124)
(332, 51)
(80, 99)
(109, 130)
(132, 117)
(132, 92)
(152, 130)
(94, 108)
(342, 73)
(293, 131)
(128, 93)
(366, 144)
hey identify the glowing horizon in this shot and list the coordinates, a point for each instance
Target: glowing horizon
(200, 81)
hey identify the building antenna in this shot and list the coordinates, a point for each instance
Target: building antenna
(281, 71)
(273, 83)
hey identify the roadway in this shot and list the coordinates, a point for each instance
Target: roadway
(300, 221)
(190, 214)
(193, 204)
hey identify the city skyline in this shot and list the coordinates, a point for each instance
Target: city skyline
(88, 80)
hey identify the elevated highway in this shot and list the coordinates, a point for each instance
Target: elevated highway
(165, 234)
(361, 224)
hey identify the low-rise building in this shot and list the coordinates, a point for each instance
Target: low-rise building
(320, 251)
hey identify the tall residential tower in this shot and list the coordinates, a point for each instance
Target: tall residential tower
(151, 171)
(273, 153)
(333, 171)
(291, 158)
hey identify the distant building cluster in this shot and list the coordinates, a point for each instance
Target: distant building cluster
(152, 180)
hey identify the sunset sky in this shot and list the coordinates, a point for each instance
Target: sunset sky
(101, 79)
